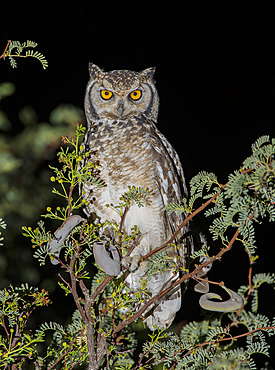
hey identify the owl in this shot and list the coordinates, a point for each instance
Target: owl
(121, 108)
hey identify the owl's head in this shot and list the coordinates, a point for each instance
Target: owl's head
(120, 94)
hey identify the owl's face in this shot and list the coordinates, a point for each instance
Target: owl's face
(121, 94)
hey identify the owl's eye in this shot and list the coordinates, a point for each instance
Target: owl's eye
(135, 95)
(106, 94)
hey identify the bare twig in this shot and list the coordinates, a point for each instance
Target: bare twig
(69, 201)
(6, 48)
(120, 227)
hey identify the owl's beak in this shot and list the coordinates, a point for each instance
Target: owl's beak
(120, 108)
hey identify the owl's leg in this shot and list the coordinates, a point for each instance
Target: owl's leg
(132, 262)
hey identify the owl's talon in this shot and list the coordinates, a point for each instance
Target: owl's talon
(131, 262)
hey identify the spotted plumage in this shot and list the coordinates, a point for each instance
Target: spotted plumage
(121, 109)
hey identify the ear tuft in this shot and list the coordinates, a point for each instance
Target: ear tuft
(95, 71)
(148, 73)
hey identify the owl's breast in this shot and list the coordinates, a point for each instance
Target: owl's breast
(124, 153)
(127, 156)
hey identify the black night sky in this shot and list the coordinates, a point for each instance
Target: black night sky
(215, 72)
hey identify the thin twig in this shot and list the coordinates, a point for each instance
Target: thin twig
(69, 201)
(221, 283)
(74, 289)
(6, 48)
(213, 343)
(120, 226)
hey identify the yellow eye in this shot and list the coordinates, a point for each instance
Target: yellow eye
(106, 94)
(135, 95)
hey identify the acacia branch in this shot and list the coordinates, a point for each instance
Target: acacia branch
(185, 222)
(189, 218)
(4, 52)
(85, 313)
(159, 296)
(213, 343)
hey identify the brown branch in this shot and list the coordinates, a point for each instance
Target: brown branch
(69, 201)
(249, 290)
(65, 353)
(189, 218)
(157, 297)
(101, 287)
(185, 221)
(197, 278)
(74, 289)
(232, 338)
(85, 314)
(213, 343)
(6, 48)
(120, 227)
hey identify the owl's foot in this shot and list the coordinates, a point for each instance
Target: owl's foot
(131, 262)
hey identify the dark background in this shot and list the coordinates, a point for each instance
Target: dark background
(215, 72)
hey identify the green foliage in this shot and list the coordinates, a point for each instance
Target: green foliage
(102, 331)
(70, 175)
(248, 196)
(16, 49)
(208, 345)
(17, 342)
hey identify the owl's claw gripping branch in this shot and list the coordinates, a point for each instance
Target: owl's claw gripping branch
(110, 265)
(234, 303)
(61, 234)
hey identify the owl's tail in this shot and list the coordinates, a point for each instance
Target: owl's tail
(163, 315)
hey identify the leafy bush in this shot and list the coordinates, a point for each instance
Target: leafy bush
(103, 330)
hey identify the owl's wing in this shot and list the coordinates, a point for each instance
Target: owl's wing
(176, 164)
(173, 189)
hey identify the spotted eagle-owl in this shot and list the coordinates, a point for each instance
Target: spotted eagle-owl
(121, 109)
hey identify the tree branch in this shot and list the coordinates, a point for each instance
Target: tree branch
(157, 297)
(6, 48)
(185, 222)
